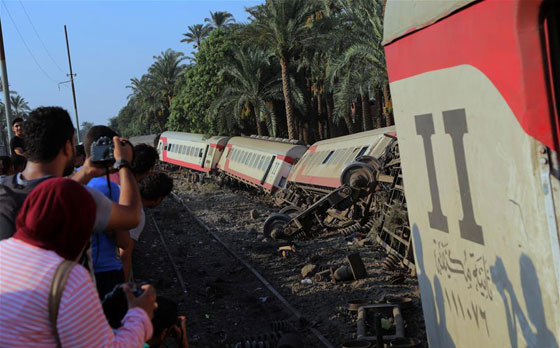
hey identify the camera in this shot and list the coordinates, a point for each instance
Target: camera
(115, 304)
(102, 151)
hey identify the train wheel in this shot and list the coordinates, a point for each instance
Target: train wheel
(371, 161)
(358, 174)
(291, 210)
(274, 225)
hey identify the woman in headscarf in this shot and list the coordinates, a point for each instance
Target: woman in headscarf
(54, 225)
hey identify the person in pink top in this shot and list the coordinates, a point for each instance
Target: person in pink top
(54, 223)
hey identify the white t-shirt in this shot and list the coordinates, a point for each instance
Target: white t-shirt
(135, 232)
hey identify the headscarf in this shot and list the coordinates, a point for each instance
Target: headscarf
(57, 215)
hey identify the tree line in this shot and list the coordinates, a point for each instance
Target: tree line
(305, 70)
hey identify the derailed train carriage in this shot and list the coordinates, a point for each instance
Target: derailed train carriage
(475, 88)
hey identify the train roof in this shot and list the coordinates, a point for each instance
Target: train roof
(269, 146)
(404, 17)
(143, 139)
(386, 130)
(192, 137)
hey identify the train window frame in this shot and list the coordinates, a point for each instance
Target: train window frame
(551, 26)
(362, 151)
(328, 157)
(200, 152)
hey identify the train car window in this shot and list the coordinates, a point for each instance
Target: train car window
(173, 147)
(200, 153)
(254, 161)
(362, 151)
(251, 160)
(552, 23)
(328, 157)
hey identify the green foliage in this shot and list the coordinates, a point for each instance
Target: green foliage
(297, 68)
(149, 105)
(200, 85)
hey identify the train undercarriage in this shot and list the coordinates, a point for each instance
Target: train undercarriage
(370, 200)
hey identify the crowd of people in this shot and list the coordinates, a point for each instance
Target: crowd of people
(68, 226)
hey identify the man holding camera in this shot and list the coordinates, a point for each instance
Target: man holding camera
(50, 144)
(107, 264)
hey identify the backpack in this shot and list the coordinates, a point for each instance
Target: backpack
(12, 196)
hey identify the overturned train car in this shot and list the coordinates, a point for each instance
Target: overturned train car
(475, 88)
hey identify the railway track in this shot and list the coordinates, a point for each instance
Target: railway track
(228, 303)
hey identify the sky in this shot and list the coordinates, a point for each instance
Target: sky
(110, 43)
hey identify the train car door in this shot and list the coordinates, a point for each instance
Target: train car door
(475, 117)
(204, 157)
(263, 180)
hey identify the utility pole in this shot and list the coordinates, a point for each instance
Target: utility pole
(6, 90)
(72, 82)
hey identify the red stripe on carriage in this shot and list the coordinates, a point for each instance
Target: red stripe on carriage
(499, 38)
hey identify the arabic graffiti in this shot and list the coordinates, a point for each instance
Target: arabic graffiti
(469, 311)
(473, 268)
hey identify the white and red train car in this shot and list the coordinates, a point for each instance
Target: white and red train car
(193, 151)
(475, 88)
(261, 162)
(325, 160)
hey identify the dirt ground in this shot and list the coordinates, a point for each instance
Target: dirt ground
(225, 302)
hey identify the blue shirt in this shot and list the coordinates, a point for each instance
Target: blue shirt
(104, 251)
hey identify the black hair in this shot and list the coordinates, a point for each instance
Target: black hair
(6, 164)
(156, 185)
(145, 157)
(47, 129)
(80, 150)
(16, 120)
(165, 315)
(95, 133)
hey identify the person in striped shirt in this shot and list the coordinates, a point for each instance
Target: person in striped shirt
(55, 223)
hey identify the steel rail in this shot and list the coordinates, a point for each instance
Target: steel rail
(173, 264)
(265, 282)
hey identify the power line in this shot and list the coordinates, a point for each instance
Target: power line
(39, 37)
(25, 44)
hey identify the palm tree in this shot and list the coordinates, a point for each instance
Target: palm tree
(20, 107)
(196, 34)
(251, 88)
(220, 19)
(153, 93)
(281, 26)
(165, 72)
(365, 20)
